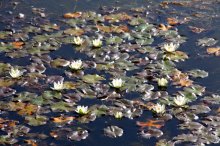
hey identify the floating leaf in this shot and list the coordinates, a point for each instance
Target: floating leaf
(6, 82)
(206, 42)
(61, 106)
(117, 17)
(176, 56)
(59, 62)
(151, 132)
(5, 91)
(197, 73)
(151, 123)
(72, 15)
(62, 119)
(92, 78)
(181, 79)
(196, 29)
(213, 99)
(28, 109)
(78, 135)
(215, 51)
(113, 131)
(186, 138)
(69, 85)
(75, 32)
(172, 21)
(31, 142)
(36, 120)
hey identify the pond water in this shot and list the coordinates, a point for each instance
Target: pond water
(37, 115)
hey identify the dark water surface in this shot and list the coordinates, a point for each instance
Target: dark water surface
(198, 58)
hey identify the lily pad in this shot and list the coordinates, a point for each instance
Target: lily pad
(113, 131)
(92, 78)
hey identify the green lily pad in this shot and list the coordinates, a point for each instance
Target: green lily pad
(36, 120)
(197, 73)
(61, 106)
(92, 78)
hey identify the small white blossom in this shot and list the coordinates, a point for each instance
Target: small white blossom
(118, 115)
(162, 82)
(58, 86)
(180, 100)
(78, 41)
(76, 65)
(117, 83)
(170, 47)
(82, 110)
(158, 108)
(15, 73)
(97, 43)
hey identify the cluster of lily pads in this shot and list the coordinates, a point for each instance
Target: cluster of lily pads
(124, 55)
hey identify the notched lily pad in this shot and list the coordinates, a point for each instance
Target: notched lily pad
(113, 131)
(36, 120)
(151, 132)
(92, 78)
(197, 73)
(78, 135)
(206, 42)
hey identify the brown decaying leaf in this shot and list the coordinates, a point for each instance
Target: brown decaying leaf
(196, 29)
(23, 108)
(181, 79)
(63, 119)
(116, 29)
(73, 15)
(215, 51)
(54, 134)
(218, 110)
(31, 142)
(7, 123)
(6, 82)
(172, 21)
(164, 27)
(166, 3)
(151, 123)
(117, 17)
(17, 45)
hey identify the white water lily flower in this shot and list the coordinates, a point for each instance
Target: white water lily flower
(58, 86)
(162, 82)
(118, 115)
(76, 65)
(15, 73)
(170, 47)
(159, 108)
(78, 41)
(97, 43)
(180, 100)
(117, 83)
(82, 110)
